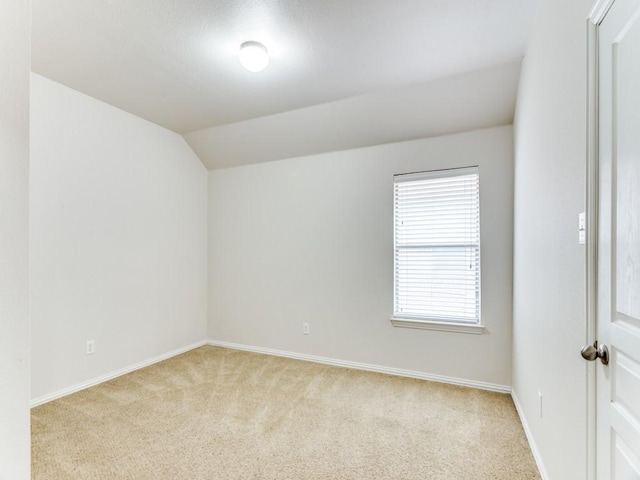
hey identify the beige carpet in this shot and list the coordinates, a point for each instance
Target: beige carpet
(215, 413)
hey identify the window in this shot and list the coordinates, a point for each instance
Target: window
(437, 250)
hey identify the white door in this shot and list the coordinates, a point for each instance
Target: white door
(618, 285)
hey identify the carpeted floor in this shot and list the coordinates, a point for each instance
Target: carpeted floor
(214, 413)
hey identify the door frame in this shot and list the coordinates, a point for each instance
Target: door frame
(595, 18)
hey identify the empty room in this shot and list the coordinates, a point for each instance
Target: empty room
(354, 239)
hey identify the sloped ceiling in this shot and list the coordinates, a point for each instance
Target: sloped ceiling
(469, 101)
(175, 63)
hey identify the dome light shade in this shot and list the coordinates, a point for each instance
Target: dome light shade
(254, 56)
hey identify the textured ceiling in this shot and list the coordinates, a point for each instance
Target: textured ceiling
(175, 62)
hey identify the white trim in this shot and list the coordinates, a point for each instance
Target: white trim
(103, 378)
(591, 202)
(365, 366)
(599, 11)
(474, 328)
(532, 443)
(596, 16)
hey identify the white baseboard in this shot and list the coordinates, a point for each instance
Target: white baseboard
(103, 378)
(365, 366)
(532, 443)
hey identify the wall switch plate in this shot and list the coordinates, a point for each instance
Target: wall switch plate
(91, 347)
(540, 403)
(582, 237)
(582, 221)
(305, 328)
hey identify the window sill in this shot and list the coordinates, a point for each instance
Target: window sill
(475, 329)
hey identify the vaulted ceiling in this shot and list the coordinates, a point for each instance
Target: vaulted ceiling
(175, 63)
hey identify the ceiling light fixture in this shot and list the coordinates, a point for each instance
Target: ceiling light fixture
(254, 56)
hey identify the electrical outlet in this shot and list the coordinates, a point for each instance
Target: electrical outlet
(91, 347)
(540, 403)
(305, 328)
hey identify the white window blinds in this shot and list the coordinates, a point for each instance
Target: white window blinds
(437, 246)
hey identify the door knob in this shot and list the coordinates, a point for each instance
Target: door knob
(591, 352)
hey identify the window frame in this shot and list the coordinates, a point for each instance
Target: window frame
(426, 323)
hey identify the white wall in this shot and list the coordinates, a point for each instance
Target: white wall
(14, 215)
(549, 276)
(310, 239)
(118, 239)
